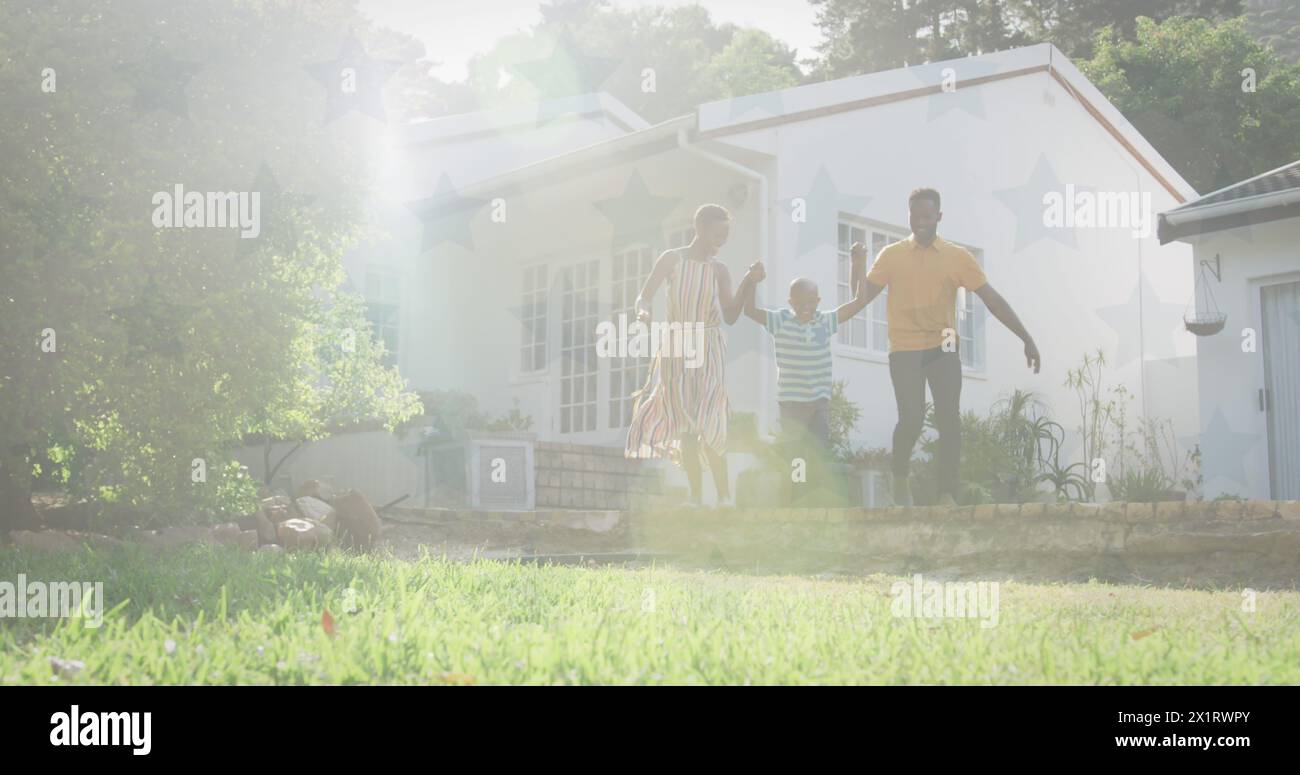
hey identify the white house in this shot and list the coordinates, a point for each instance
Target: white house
(522, 241)
(1246, 241)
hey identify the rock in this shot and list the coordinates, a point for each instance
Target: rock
(248, 540)
(277, 508)
(270, 549)
(316, 489)
(1258, 510)
(319, 510)
(61, 540)
(44, 540)
(358, 524)
(298, 534)
(226, 534)
(173, 537)
(261, 524)
(66, 668)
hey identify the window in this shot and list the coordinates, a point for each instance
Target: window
(630, 269)
(578, 362)
(533, 319)
(383, 296)
(869, 328)
(970, 324)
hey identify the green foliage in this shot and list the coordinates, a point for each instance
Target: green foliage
(1139, 485)
(1140, 463)
(1181, 83)
(174, 344)
(1276, 23)
(1003, 454)
(863, 36)
(694, 59)
(453, 413)
(842, 417)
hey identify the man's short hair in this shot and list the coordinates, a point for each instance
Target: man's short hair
(925, 193)
(710, 213)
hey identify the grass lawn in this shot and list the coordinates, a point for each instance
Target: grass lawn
(225, 617)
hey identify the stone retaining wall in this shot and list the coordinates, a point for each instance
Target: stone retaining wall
(583, 476)
(1202, 544)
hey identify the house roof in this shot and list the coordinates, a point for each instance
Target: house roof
(1270, 196)
(719, 119)
(600, 155)
(518, 118)
(810, 101)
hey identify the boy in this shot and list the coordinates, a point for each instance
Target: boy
(802, 336)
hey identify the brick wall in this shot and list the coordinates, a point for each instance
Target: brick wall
(582, 476)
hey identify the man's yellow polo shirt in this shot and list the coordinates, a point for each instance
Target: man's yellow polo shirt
(922, 282)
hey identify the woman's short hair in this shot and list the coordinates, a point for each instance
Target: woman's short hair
(711, 213)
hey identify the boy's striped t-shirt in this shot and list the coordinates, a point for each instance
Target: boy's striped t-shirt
(803, 354)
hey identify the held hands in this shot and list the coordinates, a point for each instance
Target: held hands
(859, 252)
(756, 273)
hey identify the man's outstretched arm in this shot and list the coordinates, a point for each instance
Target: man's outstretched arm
(863, 290)
(1007, 316)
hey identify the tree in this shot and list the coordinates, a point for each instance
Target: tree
(752, 62)
(138, 355)
(660, 62)
(863, 36)
(1182, 83)
(1276, 23)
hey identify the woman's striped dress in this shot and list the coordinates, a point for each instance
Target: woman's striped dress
(677, 400)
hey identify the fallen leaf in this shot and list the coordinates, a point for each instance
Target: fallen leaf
(1144, 633)
(327, 622)
(456, 679)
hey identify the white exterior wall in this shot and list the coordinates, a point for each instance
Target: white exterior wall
(467, 149)
(1236, 449)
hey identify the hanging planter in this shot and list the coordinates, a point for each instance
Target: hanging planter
(1206, 319)
(1205, 325)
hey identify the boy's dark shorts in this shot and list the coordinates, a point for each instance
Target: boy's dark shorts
(807, 419)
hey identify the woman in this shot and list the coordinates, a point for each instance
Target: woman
(681, 413)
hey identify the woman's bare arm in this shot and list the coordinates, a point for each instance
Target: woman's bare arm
(731, 305)
(662, 268)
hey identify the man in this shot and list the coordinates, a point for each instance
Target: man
(923, 273)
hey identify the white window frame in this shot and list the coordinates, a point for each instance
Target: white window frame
(623, 289)
(540, 321)
(580, 347)
(875, 341)
(972, 319)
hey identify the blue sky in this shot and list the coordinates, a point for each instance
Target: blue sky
(452, 36)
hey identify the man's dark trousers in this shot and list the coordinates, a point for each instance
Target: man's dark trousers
(910, 371)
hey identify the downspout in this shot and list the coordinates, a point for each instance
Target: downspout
(765, 359)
